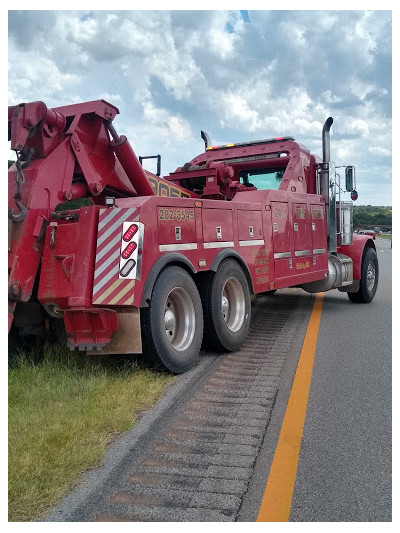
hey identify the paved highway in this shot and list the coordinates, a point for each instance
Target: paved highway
(344, 469)
(345, 462)
(204, 452)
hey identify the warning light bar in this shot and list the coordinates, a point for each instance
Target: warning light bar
(250, 143)
(126, 269)
(130, 232)
(129, 250)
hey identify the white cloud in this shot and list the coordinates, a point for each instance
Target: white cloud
(170, 127)
(172, 73)
(379, 151)
(30, 70)
(237, 112)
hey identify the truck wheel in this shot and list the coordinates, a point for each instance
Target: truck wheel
(369, 278)
(172, 325)
(226, 305)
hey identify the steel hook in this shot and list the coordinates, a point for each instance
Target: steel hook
(18, 217)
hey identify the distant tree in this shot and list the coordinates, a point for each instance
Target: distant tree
(369, 216)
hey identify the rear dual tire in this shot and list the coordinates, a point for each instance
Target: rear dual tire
(226, 303)
(172, 325)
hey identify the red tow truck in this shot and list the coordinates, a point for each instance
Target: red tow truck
(154, 265)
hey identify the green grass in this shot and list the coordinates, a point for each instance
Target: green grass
(63, 411)
(388, 237)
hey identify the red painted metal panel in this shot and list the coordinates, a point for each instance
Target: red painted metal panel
(68, 261)
(58, 264)
(301, 229)
(169, 218)
(249, 225)
(214, 219)
(318, 228)
(253, 247)
(281, 227)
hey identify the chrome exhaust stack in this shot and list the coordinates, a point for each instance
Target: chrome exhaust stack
(340, 266)
(328, 187)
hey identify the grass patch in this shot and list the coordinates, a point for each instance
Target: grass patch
(64, 408)
(387, 237)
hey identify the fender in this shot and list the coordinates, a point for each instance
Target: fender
(356, 250)
(161, 263)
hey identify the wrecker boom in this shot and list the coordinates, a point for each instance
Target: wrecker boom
(62, 154)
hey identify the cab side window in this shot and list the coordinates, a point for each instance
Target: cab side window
(266, 178)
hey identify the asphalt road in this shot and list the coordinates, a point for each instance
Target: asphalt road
(344, 469)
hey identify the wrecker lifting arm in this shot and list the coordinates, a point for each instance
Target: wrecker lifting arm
(62, 154)
(156, 264)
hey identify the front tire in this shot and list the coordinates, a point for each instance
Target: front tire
(172, 325)
(227, 309)
(369, 278)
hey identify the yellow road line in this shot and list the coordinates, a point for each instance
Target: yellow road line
(277, 498)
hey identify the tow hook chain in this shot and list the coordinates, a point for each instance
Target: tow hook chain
(20, 180)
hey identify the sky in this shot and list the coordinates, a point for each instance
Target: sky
(239, 75)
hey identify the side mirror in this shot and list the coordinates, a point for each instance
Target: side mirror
(350, 176)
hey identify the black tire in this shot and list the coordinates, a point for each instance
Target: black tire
(226, 305)
(172, 325)
(369, 278)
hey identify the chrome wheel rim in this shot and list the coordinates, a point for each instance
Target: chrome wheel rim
(233, 304)
(371, 274)
(179, 319)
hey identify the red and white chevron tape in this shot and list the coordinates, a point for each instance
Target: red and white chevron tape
(109, 287)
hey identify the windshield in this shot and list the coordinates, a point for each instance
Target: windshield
(266, 178)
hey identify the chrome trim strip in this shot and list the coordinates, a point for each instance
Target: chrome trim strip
(217, 244)
(175, 247)
(252, 242)
(282, 255)
(319, 251)
(299, 253)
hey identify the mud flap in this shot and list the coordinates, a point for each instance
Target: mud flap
(354, 287)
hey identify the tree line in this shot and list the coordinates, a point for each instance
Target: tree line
(370, 216)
